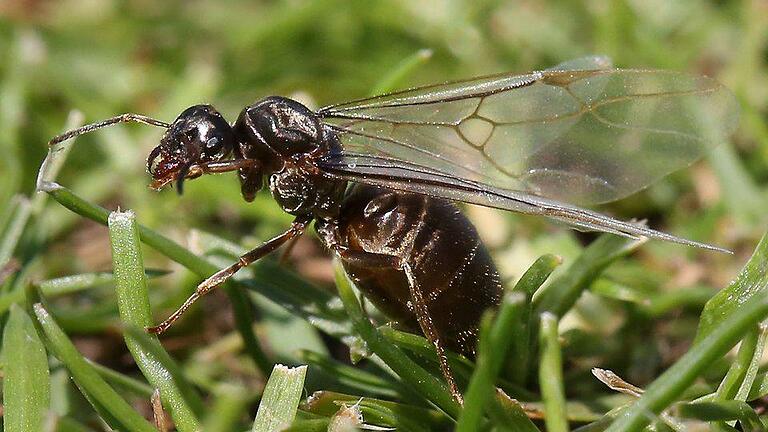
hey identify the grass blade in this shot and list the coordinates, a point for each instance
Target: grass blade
(394, 78)
(61, 286)
(379, 412)
(722, 411)
(26, 387)
(493, 345)
(743, 370)
(520, 349)
(280, 401)
(748, 284)
(559, 296)
(551, 375)
(124, 382)
(717, 341)
(462, 367)
(15, 228)
(419, 379)
(112, 408)
(352, 377)
(133, 303)
(508, 415)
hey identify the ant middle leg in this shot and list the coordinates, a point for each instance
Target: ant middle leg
(297, 228)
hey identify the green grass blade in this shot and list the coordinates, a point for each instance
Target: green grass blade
(392, 80)
(551, 375)
(244, 318)
(15, 228)
(63, 285)
(414, 375)
(753, 367)
(133, 303)
(493, 345)
(520, 349)
(722, 411)
(280, 400)
(508, 415)
(462, 367)
(124, 382)
(352, 377)
(717, 341)
(113, 409)
(748, 284)
(67, 424)
(26, 387)
(559, 296)
(379, 412)
(742, 372)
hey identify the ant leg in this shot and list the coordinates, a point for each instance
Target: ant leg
(420, 306)
(428, 327)
(226, 166)
(206, 168)
(297, 228)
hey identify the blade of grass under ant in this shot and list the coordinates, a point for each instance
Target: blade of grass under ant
(412, 374)
(721, 411)
(280, 400)
(351, 377)
(493, 345)
(395, 414)
(107, 402)
(26, 386)
(519, 356)
(551, 375)
(65, 285)
(718, 340)
(461, 366)
(178, 396)
(227, 409)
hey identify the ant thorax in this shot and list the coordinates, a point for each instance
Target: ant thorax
(288, 139)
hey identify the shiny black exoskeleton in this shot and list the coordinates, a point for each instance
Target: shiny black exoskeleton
(417, 258)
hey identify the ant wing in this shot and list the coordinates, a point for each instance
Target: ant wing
(538, 143)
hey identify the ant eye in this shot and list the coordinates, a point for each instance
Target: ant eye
(213, 144)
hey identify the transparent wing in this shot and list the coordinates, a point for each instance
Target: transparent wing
(581, 133)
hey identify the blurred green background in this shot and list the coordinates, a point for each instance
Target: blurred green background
(156, 58)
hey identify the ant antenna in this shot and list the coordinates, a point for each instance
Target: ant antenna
(122, 118)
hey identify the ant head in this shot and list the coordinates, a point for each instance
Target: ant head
(199, 135)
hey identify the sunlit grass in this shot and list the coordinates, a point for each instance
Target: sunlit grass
(634, 309)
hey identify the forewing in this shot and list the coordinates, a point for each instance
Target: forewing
(578, 136)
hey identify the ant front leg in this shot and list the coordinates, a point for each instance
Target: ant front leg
(297, 228)
(420, 306)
